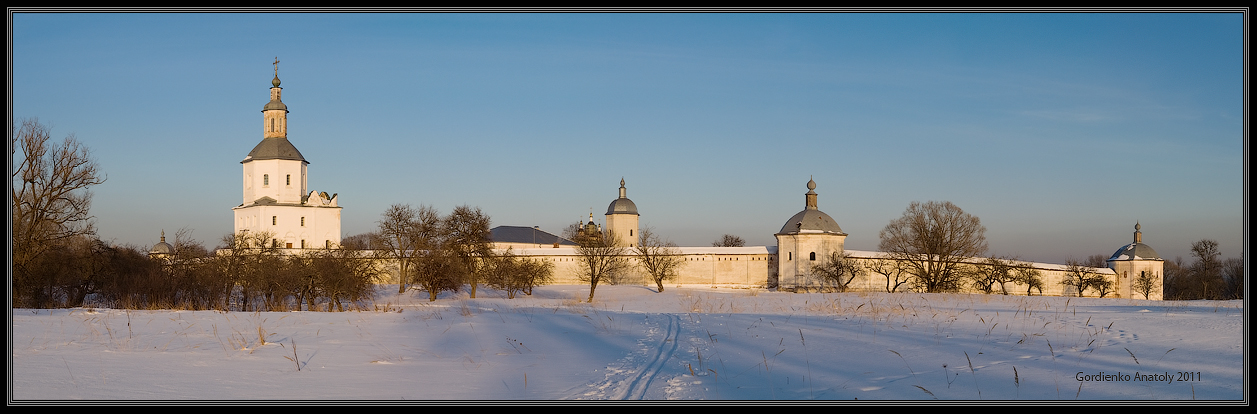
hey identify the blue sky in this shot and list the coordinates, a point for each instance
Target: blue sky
(1059, 131)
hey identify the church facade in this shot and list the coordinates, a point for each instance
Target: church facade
(277, 201)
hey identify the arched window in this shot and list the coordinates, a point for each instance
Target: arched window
(274, 219)
(288, 179)
(303, 222)
(266, 179)
(811, 256)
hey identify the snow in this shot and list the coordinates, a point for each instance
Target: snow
(633, 343)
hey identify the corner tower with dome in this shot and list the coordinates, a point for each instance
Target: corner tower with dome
(1134, 260)
(622, 219)
(805, 239)
(277, 200)
(162, 251)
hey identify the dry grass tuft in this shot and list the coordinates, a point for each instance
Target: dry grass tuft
(465, 310)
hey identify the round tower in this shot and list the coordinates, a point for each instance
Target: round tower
(1138, 265)
(806, 238)
(622, 219)
(162, 250)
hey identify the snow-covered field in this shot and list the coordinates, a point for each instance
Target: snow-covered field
(633, 343)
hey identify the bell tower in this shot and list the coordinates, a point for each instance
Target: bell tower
(276, 198)
(275, 113)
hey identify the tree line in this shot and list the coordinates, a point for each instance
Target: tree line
(436, 253)
(1206, 277)
(246, 274)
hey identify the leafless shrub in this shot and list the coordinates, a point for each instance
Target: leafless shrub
(836, 271)
(729, 240)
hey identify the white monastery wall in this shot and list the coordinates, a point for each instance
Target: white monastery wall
(303, 219)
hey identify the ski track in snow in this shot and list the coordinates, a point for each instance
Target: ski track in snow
(631, 377)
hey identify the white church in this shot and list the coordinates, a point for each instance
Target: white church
(277, 201)
(277, 197)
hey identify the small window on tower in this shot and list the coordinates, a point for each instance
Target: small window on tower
(288, 179)
(811, 256)
(266, 179)
(274, 220)
(303, 222)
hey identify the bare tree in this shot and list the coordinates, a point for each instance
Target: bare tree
(1080, 276)
(1145, 283)
(1097, 261)
(659, 258)
(502, 272)
(1031, 277)
(404, 231)
(1103, 285)
(136, 281)
(340, 274)
(466, 231)
(895, 272)
(601, 257)
(1177, 283)
(438, 270)
(71, 270)
(573, 231)
(515, 274)
(247, 261)
(1233, 270)
(1206, 271)
(536, 273)
(50, 196)
(934, 239)
(729, 240)
(837, 269)
(189, 270)
(990, 272)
